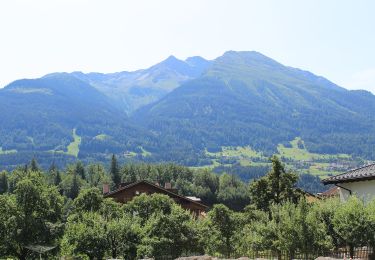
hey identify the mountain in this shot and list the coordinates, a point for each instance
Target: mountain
(58, 114)
(131, 90)
(235, 110)
(246, 98)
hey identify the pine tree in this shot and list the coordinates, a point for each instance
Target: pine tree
(34, 165)
(80, 170)
(52, 168)
(57, 178)
(74, 191)
(115, 172)
(55, 174)
(3, 182)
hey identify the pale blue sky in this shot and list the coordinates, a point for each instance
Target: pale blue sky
(332, 38)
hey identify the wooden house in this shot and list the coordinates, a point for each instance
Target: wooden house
(127, 191)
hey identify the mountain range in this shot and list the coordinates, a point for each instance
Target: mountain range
(184, 111)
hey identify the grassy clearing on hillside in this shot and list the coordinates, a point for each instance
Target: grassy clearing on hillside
(130, 154)
(317, 164)
(102, 137)
(298, 159)
(245, 162)
(243, 155)
(73, 147)
(321, 170)
(144, 152)
(299, 152)
(229, 151)
(7, 151)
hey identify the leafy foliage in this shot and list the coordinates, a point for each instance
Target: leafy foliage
(31, 215)
(223, 224)
(85, 234)
(34, 213)
(276, 187)
(168, 234)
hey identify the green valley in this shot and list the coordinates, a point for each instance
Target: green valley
(294, 155)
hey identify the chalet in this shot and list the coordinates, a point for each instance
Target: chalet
(359, 182)
(127, 191)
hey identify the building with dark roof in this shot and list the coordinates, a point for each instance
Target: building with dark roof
(331, 193)
(359, 182)
(127, 191)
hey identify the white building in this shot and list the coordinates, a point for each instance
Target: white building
(359, 182)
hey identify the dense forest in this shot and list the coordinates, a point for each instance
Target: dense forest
(63, 213)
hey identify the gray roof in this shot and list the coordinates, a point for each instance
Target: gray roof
(360, 174)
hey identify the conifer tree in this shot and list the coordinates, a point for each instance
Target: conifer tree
(55, 174)
(52, 168)
(74, 191)
(115, 172)
(34, 165)
(3, 182)
(57, 178)
(80, 170)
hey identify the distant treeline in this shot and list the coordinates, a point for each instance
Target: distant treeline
(66, 163)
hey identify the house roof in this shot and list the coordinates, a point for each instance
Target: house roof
(334, 191)
(306, 193)
(310, 197)
(132, 184)
(360, 174)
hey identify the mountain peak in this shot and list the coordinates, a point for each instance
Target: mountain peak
(196, 61)
(192, 67)
(171, 58)
(248, 57)
(244, 54)
(171, 61)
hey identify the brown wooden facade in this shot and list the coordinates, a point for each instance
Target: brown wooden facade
(127, 191)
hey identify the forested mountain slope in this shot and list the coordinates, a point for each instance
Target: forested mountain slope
(59, 114)
(247, 98)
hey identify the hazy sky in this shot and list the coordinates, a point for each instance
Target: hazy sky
(332, 38)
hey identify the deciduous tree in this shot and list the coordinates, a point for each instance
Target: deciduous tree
(168, 235)
(85, 234)
(89, 199)
(276, 187)
(351, 223)
(223, 226)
